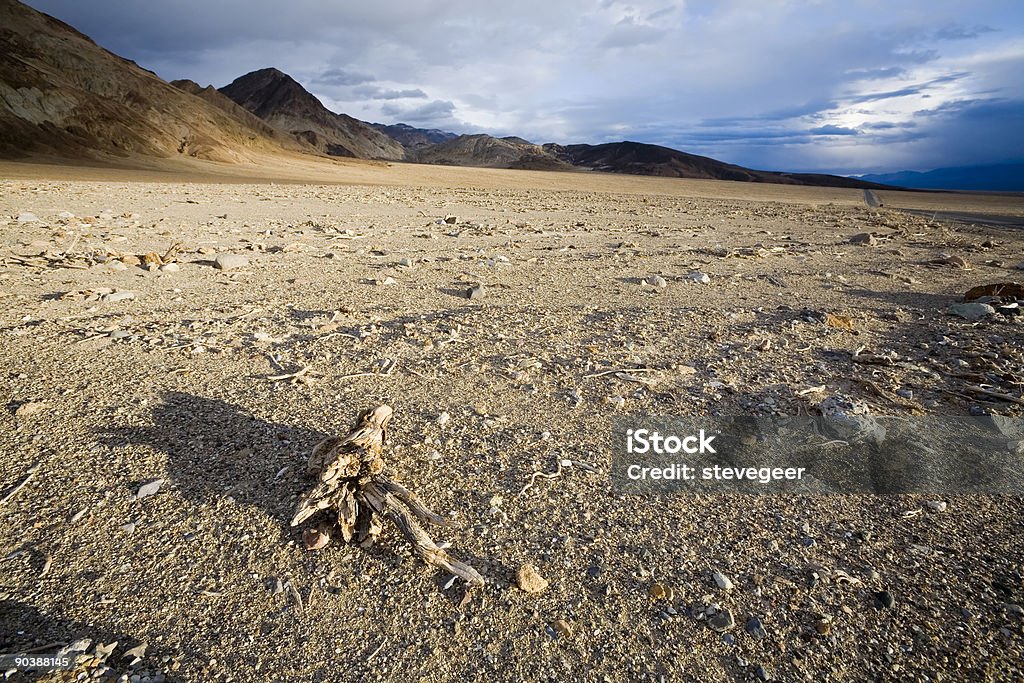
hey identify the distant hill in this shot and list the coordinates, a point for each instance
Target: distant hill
(992, 178)
(639, 158)
(62, 94)
(491, 152)
(224, 103)
(280, 100)
(411, 138)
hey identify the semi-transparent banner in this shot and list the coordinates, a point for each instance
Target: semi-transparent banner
(817, 455)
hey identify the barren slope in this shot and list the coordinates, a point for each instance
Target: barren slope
(280, 100)
(61, 93)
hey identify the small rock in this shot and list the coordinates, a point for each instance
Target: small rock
(865, 238)
(128, 528)
(1014, 610)
(529, 580)
(387, 281)
(656, 281)
(885, 599)
(230, 261)
(562, 627)
(721, 621)
(27, 217)
(729, 639)
(316, 537)
(936, 505)
(699, 277)
(451, 220)
(761, 673)
(29, 409)
(971, 311)
(170, 268)
(405, 262)
(476, 292)
(657, 591)
(756, 629)
(443, 419)
(955, 261)
(149, 489)
(721, 580)
(114, 297)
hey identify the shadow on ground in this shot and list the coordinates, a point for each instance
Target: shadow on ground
(217, 450)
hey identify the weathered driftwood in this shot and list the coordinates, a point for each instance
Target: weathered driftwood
(353, 490)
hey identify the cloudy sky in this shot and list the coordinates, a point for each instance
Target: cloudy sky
(847, 86)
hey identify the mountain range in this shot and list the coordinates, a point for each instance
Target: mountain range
(989, 178)
(63, 95)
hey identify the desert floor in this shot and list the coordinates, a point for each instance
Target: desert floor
(115, 375)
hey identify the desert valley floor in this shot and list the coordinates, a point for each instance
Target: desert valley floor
(730, 299)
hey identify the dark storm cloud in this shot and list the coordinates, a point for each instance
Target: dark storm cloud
(832, 130)
(373, 92)
(438, 110)
(342, 77)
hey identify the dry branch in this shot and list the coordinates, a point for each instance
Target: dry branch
(353, 490)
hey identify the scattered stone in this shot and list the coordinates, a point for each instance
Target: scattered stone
(562, 627)
(476, 292)
(971, 311)
(130, 260)
(865, 238)
(121, 295)
(657, 591)
(29, 409)
(885, 599)
(761, 673)
(721, 580)
(451, 220)
(443, 419)
(999, 289)
(387, 281)
(936, 505)
(699, 277)
(823, 625)
(128, 528)
(756, 629)
(27, 217)
(1015, 611)
(952, 260)
(170, 268)
(149, 489)
(405, 262)
(529, 579)
(656, 281)
(231, 261)
(721, 621)
(729, 639)
(315, 538)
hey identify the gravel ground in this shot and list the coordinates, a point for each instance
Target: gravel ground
(365, 291)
